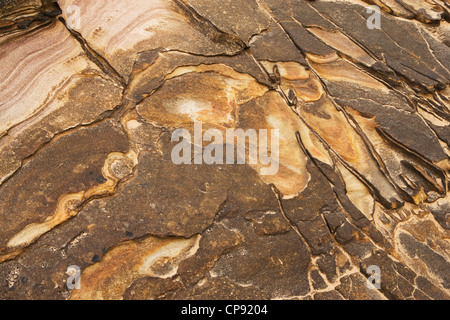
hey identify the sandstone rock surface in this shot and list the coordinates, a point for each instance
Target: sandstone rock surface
(91, 93)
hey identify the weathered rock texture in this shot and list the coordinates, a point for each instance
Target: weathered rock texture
(88, 104)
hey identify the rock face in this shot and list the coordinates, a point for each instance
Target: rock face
(345, 178)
